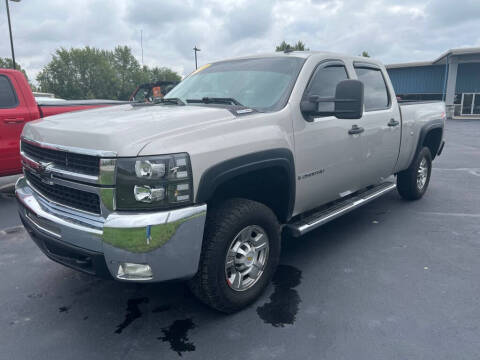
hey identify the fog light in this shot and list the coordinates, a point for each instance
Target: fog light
(148, 194)
(131, 271)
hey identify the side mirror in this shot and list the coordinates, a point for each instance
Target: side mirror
(349, 99)
(347, 103)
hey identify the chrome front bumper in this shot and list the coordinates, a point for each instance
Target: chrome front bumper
(170, 242)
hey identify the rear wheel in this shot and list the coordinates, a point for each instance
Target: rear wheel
(413, 182)
(240, 253)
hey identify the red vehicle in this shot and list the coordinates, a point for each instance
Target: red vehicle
(18, 106)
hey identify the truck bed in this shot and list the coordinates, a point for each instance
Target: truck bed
(49, 108)
(415, 115)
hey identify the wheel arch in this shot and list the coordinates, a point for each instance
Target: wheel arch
(431, 136)
(266, 176)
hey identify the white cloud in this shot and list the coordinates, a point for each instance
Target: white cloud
(392, 31)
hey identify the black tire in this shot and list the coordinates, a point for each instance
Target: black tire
(223, 224)
(407, 185)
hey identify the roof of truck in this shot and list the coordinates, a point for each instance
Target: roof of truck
(305, 55)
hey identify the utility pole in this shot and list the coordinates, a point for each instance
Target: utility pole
(141, 43)
(195, 49)
(10, 30)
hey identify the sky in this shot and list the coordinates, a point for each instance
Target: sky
(391, 31)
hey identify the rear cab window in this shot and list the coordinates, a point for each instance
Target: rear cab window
(377, 96)
(8, 97)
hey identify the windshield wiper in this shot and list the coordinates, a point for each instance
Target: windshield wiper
(174, 101)
(214, 100)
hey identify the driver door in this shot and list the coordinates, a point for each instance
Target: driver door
(328, 159)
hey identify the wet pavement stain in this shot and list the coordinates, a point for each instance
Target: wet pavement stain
(133, 313)
(176, 335)
(13, 230)
(284, 301)
(35, 296)
(162, 308)
(63, 309)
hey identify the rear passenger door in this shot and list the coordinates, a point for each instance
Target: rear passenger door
(381, 123)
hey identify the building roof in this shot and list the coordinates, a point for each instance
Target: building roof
(410, 64)
(438, 61)
(461, 51)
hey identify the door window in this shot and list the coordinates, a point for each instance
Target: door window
(8, 98)
(324, 83)
(376, 93)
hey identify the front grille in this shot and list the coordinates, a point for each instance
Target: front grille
(78, 199)
(85, 164)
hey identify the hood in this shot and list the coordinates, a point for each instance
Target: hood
(124, 129)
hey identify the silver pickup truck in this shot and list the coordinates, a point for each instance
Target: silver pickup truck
(200, 185)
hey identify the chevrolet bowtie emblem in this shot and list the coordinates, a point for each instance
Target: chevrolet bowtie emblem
(44, 170)
(45, 167)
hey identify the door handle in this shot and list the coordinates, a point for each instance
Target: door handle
(393, 122)
(356, 130)
(14, 120)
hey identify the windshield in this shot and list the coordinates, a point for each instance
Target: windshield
(263, 84)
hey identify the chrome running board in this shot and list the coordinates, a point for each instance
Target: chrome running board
(320, 217)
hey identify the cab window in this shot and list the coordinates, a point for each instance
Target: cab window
(8, 98)
(325, 80)
(324, 83)
(376, 93)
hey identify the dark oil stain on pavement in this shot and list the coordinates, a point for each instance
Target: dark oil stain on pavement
(176, 335)
(133, 313)
(284, 301)
(35, 296)
(162, 308)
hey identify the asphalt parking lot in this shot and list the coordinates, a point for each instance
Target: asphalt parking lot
(393, 280)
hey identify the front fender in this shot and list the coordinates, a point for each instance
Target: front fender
(218, 174)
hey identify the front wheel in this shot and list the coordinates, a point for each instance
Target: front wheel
(240, 253)
(413, 182)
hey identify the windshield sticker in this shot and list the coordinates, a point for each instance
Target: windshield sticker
(201, 68)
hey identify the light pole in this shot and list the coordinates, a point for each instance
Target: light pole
(10, 30)
(195, 49)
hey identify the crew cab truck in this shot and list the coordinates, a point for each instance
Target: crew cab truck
(19, 106)
(201, 185)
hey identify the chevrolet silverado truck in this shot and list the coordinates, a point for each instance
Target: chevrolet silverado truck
(19, 106)
(201, 185)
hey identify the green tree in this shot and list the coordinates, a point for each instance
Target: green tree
(284, 46)
(7, 63)
(79, 74)
(88, 73)
(365, 54)
(162, 74)
(128, 71)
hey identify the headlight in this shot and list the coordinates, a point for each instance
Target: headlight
(154, 182)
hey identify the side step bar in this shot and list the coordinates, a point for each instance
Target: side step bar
(323, 216)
